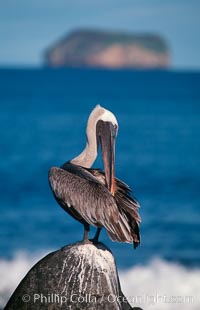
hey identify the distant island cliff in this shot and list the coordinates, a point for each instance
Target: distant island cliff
(90, 48)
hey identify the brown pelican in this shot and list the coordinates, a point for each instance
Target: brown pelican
(91, 196)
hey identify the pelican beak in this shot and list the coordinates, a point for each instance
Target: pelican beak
(107, 132)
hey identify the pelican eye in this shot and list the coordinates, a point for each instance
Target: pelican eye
(114, 132)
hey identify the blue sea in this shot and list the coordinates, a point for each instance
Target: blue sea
(43, 116)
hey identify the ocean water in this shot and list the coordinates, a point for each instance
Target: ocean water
(43, 114)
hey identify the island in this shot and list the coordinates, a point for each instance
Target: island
(112, 50)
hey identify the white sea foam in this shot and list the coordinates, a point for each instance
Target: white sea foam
(162, 285)
(158, 285)
(12, 272)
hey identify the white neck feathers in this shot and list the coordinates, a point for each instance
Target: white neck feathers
(89, 154)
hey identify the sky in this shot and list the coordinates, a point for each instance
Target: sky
(28, 27)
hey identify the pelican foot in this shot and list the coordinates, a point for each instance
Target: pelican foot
(86, 241)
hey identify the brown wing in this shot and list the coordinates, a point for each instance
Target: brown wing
(127, 205)
(83, 193)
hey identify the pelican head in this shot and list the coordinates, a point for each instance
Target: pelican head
(101, 129)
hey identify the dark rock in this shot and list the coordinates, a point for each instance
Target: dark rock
(79, 276)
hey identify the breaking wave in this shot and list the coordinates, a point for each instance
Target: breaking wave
(12, 272)
(162, 285)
